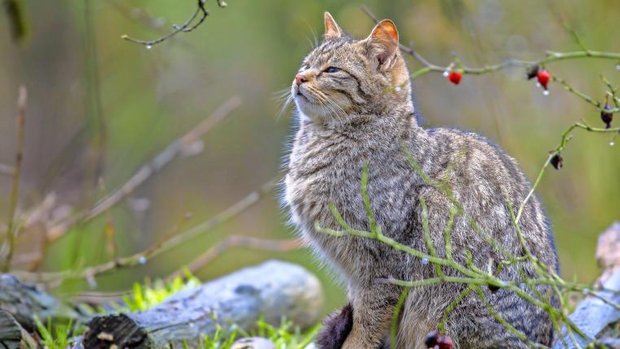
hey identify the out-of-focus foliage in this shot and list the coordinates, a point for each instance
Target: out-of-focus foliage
(81, 124)
(54, 336)
(147, 296)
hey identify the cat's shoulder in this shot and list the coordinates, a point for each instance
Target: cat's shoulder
(465, 138)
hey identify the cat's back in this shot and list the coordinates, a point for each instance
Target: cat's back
(490, 187)
(469, 162)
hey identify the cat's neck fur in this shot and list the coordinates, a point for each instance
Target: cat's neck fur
(390, 124)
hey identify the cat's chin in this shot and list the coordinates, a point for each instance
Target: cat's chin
(308, 110)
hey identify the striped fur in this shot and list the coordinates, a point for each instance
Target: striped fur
(361, 112)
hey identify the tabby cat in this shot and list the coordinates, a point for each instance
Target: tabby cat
(355, 109)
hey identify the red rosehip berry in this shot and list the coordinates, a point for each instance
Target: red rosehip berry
(455, 77)
(445, 342)
(431, 339)
(543, 77)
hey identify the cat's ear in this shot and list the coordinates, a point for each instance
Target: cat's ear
(383, 43)
(332, 30)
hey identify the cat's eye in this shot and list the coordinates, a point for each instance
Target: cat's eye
(332, 70)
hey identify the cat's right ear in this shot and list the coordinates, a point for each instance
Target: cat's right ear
(383, 43)
(332, 30)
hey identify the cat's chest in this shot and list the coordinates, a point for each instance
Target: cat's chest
(319, 175)
(327, 174)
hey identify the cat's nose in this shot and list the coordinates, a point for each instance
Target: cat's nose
(300, 79)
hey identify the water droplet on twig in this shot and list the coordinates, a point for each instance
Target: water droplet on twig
(612, 143)
(424, 261)
(148, 47)
(545, 92)
(142, 260)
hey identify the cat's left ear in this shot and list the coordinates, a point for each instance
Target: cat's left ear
(383, 43)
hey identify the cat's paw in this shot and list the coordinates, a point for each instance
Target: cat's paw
(336, 328)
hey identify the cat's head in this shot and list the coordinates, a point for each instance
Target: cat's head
(344, 77)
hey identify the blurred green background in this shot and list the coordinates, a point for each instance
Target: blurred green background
(140, 100)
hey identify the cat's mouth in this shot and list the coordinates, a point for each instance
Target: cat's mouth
(299, 95)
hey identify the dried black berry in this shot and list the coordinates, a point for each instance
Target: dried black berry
(431, 339)
(607, 116)
(493, 288)
(557, 162)
(532, 72)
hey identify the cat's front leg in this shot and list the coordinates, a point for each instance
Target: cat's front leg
(372, 316)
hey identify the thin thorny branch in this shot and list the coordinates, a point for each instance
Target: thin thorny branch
(162, 159)
(551, 56)
(56, 230)
(193, 22)
(142, 257)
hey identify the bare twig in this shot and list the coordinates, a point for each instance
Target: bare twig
(22, 99)
(566, 137)
(240, 241)
(189, 25)
(510, 62)
(584, 96)
(143, 257)
(157, 163)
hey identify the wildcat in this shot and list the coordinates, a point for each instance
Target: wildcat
(354, 106)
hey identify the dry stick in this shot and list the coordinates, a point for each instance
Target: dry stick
(198, 17)
(14, 196)
(143, 257)
(146, 171)
(239, 241)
